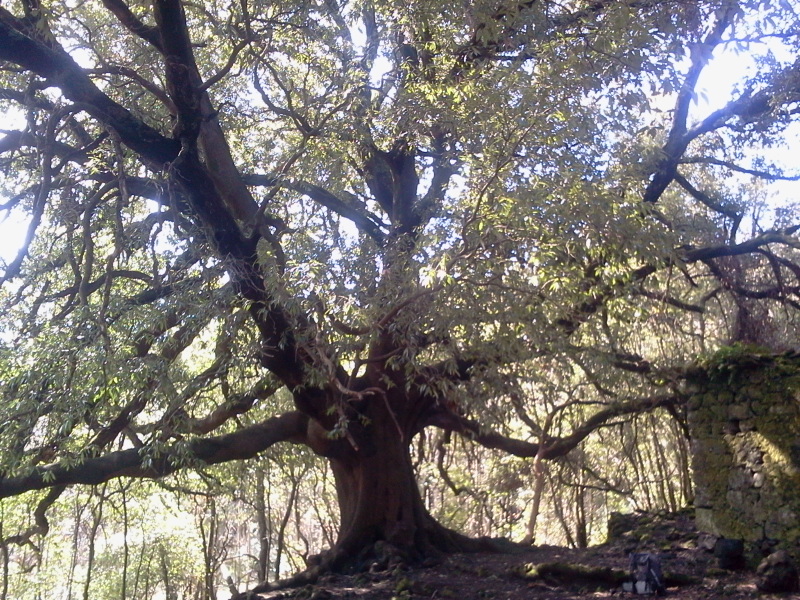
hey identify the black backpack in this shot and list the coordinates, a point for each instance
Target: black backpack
(646, 576)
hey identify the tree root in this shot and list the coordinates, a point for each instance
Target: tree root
(379, 557)
(310, 576)
(559, 574)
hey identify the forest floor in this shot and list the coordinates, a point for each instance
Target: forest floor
(554, 573)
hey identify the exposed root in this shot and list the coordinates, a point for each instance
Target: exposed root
(383, 556)
(560, 574)
(309, 576)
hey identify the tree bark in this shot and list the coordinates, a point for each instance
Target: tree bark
(538, 489)
(379, 501)
(5, 560)
(262, 523)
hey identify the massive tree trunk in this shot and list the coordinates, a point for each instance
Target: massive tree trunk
(379, 500)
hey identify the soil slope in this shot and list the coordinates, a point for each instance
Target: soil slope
(553, 573)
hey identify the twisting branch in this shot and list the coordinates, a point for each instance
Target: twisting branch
(217, 77)
(41, 524)
(678, 138)
(137, 463)
(554, 447)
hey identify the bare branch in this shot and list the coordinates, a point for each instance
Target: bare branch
(672, 301)
(693, 160)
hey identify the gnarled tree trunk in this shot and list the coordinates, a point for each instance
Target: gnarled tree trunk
(379, 500)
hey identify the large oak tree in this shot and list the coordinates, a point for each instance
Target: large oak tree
(339, 224)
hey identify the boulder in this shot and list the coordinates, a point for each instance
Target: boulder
(730, 554)
(778, 573)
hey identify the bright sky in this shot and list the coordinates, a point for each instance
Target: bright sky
(717, 84)
(12, 234)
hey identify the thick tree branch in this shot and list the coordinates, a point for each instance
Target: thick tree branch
(678, 139)
(783, 237)
(60, 70)
(237, 405)
(240, 445)
(365, 221)
(147, 32)
(554, 447)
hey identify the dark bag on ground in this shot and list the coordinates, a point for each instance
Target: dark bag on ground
(646, 576)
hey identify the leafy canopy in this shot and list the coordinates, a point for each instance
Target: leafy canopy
(247, 216)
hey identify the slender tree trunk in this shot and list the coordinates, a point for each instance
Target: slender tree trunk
(324, 509)
(581, 530)
(125, 547)
(684, 462)
(169, 592)
(139, 565)
(643, 479)
(263, 528)
(209, 540)
(97, 518)
(76, 534)
(663, 461)
(558, 507)
(148, 580)
(281, 541)
(5, 559)
(538, 490)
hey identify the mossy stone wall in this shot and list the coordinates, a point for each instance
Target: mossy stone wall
(744, 418)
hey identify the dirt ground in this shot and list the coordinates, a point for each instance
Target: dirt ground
(554, 573)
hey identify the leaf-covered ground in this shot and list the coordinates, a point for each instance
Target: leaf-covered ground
(553, 573)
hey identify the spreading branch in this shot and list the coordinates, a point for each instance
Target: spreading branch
(139, 463)
(554, 447)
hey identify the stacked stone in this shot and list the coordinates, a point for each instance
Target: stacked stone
(744, 418)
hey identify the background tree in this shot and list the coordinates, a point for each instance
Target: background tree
(344, 224)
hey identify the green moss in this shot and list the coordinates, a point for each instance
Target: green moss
(403, 584)
(746, 425)
(748, 369)
(560, 573)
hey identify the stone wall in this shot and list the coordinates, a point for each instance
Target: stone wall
(744, 418)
